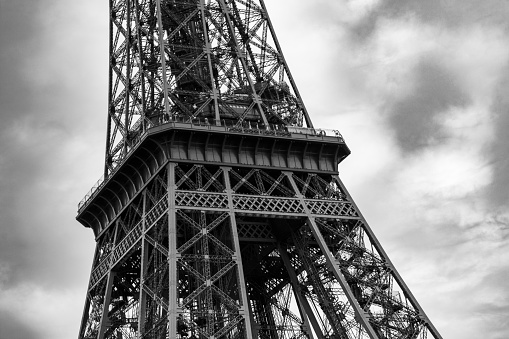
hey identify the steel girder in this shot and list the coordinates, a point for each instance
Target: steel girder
(222, 252)
(215, 61)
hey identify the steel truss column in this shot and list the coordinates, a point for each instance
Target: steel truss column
(304, 309)
(86, 308)
(143, 294)
(84, 317)
(107, 293)
(91, 323)
(128, 72)
(110, 87)
(241, 56)
(244, 308)
(208, 50)
(332, 263)
(309, 123)
(107, 299)
(143, 268)
(163, 57)
(173, 311)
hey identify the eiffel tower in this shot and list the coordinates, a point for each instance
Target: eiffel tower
(220, 214)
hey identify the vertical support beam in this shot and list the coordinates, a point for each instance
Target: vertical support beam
(86, 308)
(106, 304)
(143, 295)
(312, 318)
(287, 69)
(110, 96)
(209, 60)
(128, 76)
(244, 307)
(109, 285)
(298, 296)
(242, 58)
(332, 263)
(84, 317)
(408, 294)
(163, 56)
(172, 253)
(254, 327)
(142, 301)
(140, 60)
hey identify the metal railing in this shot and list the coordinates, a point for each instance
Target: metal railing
(247, 127)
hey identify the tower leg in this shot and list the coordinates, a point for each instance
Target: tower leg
(173, 313)
(304, 310)
(107, 300)
(244, 309)
(332, 264)
(143, 269)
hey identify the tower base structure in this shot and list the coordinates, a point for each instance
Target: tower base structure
(205, 231)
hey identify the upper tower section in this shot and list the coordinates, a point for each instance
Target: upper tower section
(216, 62)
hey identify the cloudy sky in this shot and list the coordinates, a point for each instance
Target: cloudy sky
(419, 89)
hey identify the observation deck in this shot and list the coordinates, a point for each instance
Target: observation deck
(212, 142)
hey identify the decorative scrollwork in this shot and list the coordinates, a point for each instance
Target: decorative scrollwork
(267, 204)
(196, 199)
(339, 208)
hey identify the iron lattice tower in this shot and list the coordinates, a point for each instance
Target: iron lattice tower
(221, 213)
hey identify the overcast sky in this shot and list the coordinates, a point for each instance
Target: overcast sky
(419, 89)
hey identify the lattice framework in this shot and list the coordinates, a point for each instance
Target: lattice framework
(214, 61)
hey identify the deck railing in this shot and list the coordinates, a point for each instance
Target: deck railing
(249, 127)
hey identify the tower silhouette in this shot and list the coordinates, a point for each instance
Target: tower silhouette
(221, 214)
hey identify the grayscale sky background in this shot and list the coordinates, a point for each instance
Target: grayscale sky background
(419, 89)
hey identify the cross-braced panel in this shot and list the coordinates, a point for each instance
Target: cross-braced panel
(156, 189)
(315, 186)
(208, 289)
(129, 219)
(260, 182)
(127, 243)
(199, 178)
(113, 303)
(155, 283)
(254, 230)
(122, 317)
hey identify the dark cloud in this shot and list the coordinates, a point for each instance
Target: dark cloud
(11, 327)
(16, 43)
(414, 117)
(498, 192)
(448, 13)
(46, 109)
(16, 94)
